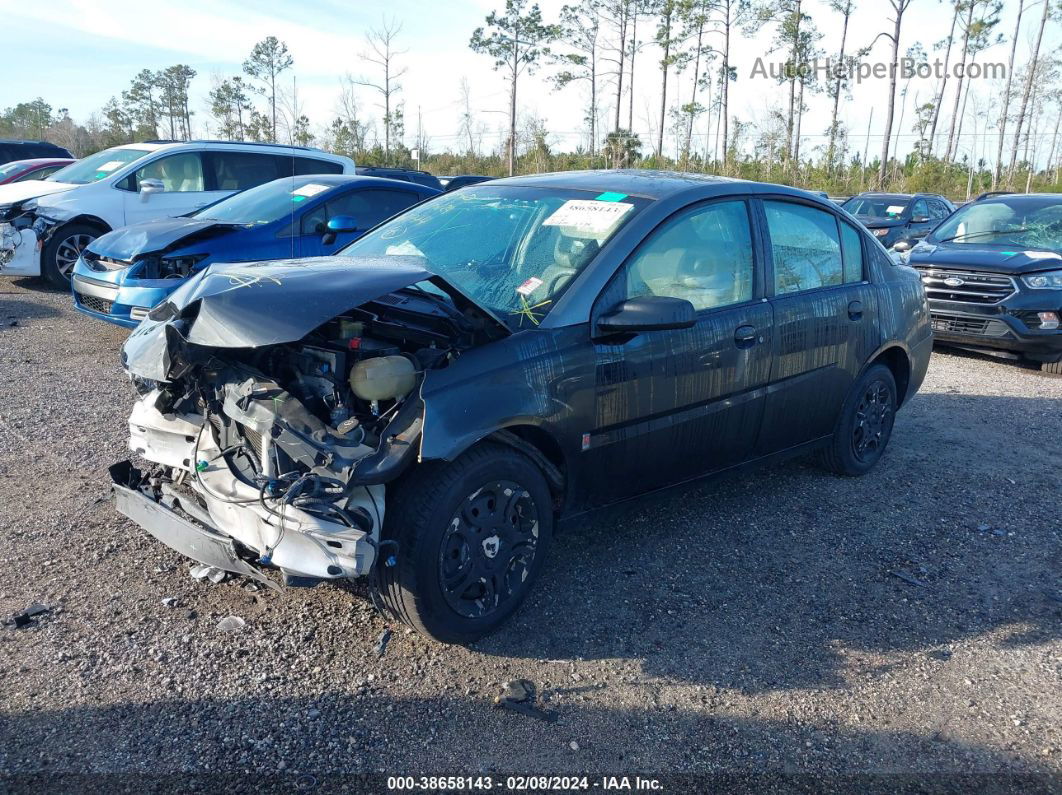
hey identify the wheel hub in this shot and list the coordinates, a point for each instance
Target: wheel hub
(872, 419)
(488, 549)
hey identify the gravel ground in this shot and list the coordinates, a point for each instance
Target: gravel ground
(755, 625)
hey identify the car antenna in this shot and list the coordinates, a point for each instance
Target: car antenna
(295, 109)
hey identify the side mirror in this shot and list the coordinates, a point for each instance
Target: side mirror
(905, 244)
(920, 219)
(343, 223)
(648, 313)
(149, 186)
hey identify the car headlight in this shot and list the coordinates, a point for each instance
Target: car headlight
(1051, 280)
(29, 205)
(880, 232)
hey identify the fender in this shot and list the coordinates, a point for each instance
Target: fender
(532, 379)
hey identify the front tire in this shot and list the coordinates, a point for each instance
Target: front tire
(864, 426)
(64, 247)
(472, 537)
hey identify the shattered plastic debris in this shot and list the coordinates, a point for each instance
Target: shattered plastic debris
(909, 578)
(204, 572)
(518, 695)
(231, 624)
(381, 643)
(25, 617)
(170, 601)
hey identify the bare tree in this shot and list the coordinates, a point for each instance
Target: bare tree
(467, 130)
(617, 14)
(939, 101)
(1028, 89)
(844, 8)
(998, 170)
(898, 7)
(382, 53)
(667, 40)
(967, 30)
(581, 31)
(730, 14)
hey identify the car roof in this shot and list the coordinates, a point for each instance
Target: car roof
(647, 183)
(155, 145)
(333, 180)
(31, 162)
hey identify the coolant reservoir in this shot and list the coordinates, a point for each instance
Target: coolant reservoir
(383, 377)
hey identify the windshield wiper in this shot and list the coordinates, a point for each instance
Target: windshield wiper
(986, 233)
(443, 302)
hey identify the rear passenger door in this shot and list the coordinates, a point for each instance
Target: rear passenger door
(824, 317)
(675, 404)
(367, 206)
(231, 171)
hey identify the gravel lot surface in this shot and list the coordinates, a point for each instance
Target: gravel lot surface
(781, 621)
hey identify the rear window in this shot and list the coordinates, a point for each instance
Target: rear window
(241, 170)
(311, 165)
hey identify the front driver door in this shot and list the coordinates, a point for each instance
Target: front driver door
(184, 189)
(921, 223)
(672, 405)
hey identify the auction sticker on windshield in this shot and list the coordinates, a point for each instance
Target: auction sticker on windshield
(309, 189)
(589, 217)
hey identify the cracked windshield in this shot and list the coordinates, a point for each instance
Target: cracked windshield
(512, 250)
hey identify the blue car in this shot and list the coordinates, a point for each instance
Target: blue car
(124, 273)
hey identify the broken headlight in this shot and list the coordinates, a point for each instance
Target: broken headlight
(178, 267)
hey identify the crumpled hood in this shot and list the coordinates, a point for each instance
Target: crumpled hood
(985, 258)
(129, 242)
(30, 189)
(251, 304)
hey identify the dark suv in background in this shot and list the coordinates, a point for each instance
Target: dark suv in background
(27, 150)
(404, 174)
(993, 276)
(899, 216)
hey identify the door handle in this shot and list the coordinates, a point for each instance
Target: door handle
(855, 310)
(745, 336)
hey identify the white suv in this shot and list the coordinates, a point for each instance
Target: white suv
(44, 224)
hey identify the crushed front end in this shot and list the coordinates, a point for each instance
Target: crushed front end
(270, 438)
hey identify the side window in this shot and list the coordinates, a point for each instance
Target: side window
(242, 170)
(40, 174)
(804, 247)
(181, 173)
(703, 255)
(310, 165)
(369, 207)
(941, 210)
(919, 209)
(313, 223)
(852, 253)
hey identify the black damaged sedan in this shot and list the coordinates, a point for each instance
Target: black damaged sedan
(993, 274)
(424, 408)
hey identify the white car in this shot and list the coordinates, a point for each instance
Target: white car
(44, 224)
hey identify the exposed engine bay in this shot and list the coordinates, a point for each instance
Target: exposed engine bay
(278, 455)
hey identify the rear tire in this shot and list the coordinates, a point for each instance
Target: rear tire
(1055, 368)
(864, 426)
(64, 247)
(472, 537)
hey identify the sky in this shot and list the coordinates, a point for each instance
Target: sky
(78, 53)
